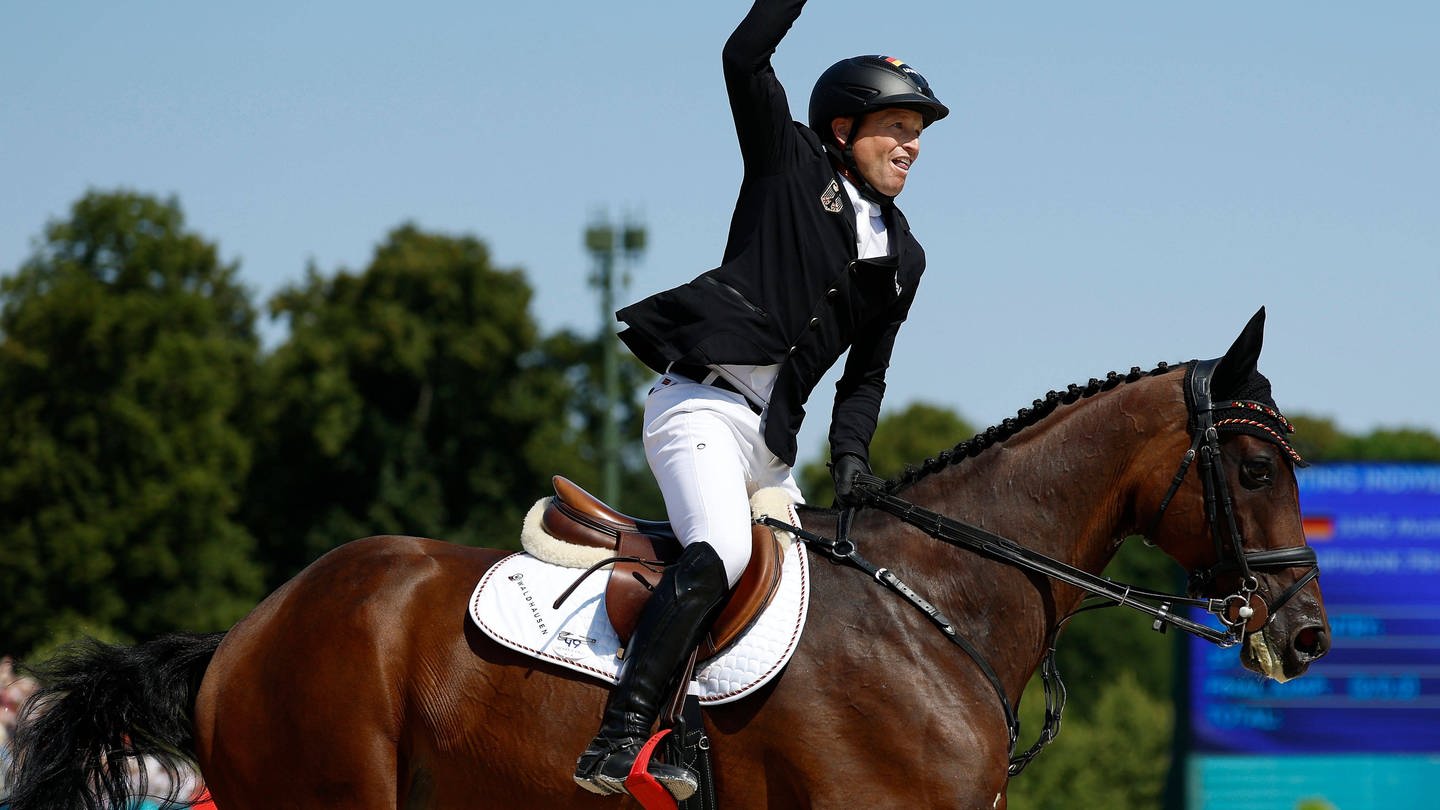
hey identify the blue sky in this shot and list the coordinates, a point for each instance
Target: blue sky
(1119, 183)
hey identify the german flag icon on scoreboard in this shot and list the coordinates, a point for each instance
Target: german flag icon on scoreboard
(1318, 527)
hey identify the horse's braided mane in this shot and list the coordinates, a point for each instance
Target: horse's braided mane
(1025, 418)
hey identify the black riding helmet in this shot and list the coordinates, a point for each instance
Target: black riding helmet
(853, 87)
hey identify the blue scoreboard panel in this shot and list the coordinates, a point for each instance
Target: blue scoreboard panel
(1367, 715)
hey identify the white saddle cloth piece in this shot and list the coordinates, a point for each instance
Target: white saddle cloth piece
(512, 605)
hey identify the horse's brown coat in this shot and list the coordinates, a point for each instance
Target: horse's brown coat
(361, 683)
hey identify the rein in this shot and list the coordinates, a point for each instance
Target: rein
(968, 536)
(1244, 611)
(842, 549)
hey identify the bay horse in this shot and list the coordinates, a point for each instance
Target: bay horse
(362, 683)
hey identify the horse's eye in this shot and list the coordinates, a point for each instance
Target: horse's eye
(1257, 472)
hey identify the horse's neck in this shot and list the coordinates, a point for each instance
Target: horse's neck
(1066, 487)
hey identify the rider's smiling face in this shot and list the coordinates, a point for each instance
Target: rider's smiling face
(886, 144)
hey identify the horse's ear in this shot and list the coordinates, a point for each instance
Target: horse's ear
(1240, 361)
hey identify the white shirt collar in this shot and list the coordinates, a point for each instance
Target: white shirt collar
(863, 207)
(871, 238)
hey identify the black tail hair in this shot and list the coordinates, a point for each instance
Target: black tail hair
(98, 706)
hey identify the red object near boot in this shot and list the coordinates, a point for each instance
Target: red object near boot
(651, 794)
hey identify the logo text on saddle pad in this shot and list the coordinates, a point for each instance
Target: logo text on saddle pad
(578, 635)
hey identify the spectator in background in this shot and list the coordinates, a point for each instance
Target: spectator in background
(158, 782)
(14, 691)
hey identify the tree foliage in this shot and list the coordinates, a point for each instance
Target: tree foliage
(1116, 758)
(126, 354)
(149, 444)
(1320, 439)
(579, 359)
(902, 438)
(399, 405)
(416, 397)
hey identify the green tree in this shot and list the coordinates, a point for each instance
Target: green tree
(416, 397)
(579, 359)
(1116, 759)
(126, 353)
(1319, 439)
(1097, 645)
(904, 437)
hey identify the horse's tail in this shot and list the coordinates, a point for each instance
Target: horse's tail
(99, 705)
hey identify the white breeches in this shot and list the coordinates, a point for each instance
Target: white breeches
(705, 448)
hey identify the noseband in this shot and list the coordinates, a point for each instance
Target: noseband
(1245, 610)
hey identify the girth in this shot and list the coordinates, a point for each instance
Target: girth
(646, 547)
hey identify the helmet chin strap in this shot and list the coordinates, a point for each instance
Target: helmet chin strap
(844, 159)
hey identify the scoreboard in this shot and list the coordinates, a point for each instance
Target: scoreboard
(1362, 727)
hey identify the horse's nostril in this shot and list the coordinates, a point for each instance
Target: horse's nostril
(1312, 641)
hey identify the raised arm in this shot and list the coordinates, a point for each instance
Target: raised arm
(762, 113)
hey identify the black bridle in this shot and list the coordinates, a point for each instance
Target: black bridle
(1244, 610)
(1239, 613)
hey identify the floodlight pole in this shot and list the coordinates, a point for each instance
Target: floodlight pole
(606, 242)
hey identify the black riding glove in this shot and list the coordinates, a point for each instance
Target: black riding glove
(844, 470)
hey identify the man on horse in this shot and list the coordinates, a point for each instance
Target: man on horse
(818, 261)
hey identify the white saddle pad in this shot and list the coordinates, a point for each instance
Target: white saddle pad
(512, 604)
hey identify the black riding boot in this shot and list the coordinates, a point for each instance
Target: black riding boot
(671, 625)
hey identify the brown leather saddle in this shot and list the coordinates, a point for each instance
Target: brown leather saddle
(576, 516)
